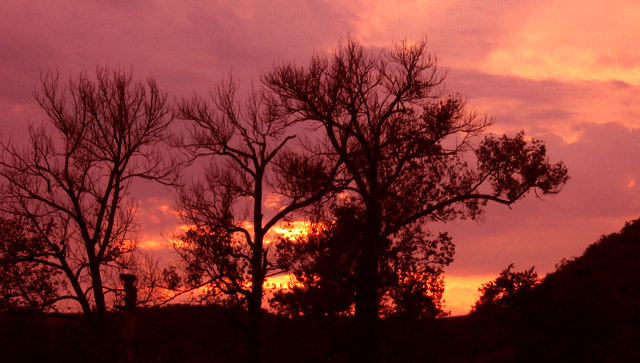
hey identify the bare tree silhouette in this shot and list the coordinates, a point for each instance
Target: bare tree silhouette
(247, 142)
(71, 182)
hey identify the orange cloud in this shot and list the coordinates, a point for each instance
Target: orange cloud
(152, 244)
(571, 40)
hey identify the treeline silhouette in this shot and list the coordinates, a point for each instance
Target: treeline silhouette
(366, 144)
(584, 311)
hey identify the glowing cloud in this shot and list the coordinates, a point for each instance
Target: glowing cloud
(549, 41)
(152, 244)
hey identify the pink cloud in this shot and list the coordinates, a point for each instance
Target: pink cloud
(598, 199)
(547, 106)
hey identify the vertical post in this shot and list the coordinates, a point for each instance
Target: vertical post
(130, 300)
(130, 291)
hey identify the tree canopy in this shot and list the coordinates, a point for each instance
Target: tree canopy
(407, 147)
(24, 283)
(323, 263)
(506, 290)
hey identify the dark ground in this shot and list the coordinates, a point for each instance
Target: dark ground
(207, 334)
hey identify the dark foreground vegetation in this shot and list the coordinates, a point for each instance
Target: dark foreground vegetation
(585, 311)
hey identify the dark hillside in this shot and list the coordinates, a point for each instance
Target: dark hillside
(589, 309)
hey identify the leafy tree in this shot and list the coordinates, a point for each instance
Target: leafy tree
(323, 263)
(508, 288)
(226, 250)
(407, 148)
(71, 182)
(24, 284)
(412, 281)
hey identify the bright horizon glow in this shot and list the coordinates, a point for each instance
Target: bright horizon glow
(461, 292)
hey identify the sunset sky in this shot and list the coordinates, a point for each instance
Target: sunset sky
(565, 72)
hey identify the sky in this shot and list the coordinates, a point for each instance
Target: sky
(567, 73)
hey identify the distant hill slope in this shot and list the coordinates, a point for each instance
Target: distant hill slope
(589, 309)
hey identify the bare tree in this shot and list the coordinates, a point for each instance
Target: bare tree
(407, 146)
(71, 182)
(227, 250)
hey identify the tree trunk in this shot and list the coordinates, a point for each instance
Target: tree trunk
(255, 321)
(367, 287)
(98, 294)
(98, 316)
(257, 276)
(255, 300)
